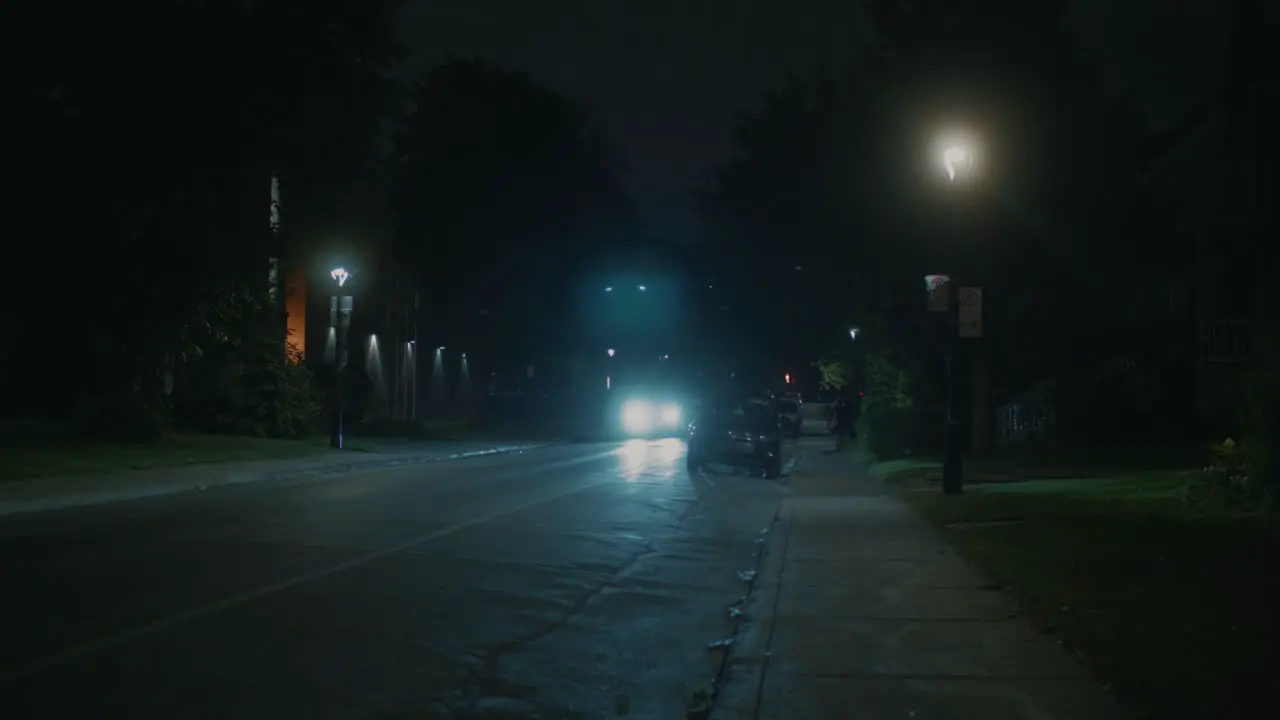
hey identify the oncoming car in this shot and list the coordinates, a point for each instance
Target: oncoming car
(647, 410)
(641, 417)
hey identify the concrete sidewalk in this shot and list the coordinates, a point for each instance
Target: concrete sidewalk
(54, 493)
(861, 610)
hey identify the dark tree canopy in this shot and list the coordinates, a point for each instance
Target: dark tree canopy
(833, 175)
(506, 201)
(152, 130)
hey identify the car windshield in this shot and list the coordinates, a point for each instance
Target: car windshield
(746, 406)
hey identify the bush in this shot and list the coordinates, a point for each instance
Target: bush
(239, 377)
(258, 395)
(122, 416)
(892, 433)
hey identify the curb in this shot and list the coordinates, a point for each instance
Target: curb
(742, 679)
(24, 507)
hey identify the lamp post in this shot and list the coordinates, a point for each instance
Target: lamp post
(340, 307)
(957, 156)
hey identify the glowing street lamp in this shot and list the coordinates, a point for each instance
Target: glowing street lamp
(340, 274)
(853, 333)
(611, 352)
(958, 155)
(956, 160)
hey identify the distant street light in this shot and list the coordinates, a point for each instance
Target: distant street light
(853, 333)
(340, 274)
(639, 288)
(611, 352)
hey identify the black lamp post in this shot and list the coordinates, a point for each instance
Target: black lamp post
(340, 307)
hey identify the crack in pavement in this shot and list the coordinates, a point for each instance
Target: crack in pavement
(492, 656)
(573, 611)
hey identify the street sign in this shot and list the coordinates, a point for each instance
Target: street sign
(939, 289)
(970, 314)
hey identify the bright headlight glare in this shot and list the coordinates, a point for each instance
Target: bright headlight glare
(671, 415)
(637, 416)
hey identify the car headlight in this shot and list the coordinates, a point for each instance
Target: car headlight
(671, 415)
(637, 416)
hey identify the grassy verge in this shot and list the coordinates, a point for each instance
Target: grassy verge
(903, 470)
(1045, 459)
(1173, 604)
(1052, 458)
(50, 457)
(421, 430)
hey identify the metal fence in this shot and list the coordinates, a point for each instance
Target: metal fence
(1029, 416)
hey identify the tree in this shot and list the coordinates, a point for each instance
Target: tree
(155, 153)
(504, 198)
(830, 174)
(835, 374)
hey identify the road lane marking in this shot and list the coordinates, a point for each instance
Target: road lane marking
(205, 611)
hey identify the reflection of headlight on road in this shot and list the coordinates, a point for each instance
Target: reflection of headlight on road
(671, 415)
(637, 416)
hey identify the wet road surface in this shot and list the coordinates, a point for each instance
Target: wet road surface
(579, 581)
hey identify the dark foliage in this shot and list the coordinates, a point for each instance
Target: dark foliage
(505, 197)
(1091, 276)
(235, 376)
(152, 130)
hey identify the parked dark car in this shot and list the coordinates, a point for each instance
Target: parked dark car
(741, 431)
(791, 415)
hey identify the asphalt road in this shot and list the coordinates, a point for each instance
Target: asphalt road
(579, 581)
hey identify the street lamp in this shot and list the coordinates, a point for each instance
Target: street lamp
(958, 155)
(955, 160)
(340, 307)
(853, 333)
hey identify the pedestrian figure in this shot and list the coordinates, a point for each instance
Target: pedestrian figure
(841, 421)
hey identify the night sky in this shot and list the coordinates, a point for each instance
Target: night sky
(665, 76)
